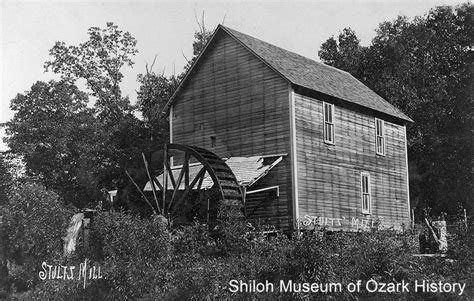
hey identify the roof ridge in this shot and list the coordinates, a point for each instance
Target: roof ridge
(273, 55)
(285, 50)
(304, 72)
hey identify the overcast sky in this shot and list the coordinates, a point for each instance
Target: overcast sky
(28, 29)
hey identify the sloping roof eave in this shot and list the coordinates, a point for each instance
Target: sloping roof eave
(333, 88)
(226, 30)
(401, 116)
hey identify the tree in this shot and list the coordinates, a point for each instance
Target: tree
(154, 93)
(423, 67)
(98, 61)
(57, 137)
(345, 53)
(6, 179)
(156, 90)
(201, 37)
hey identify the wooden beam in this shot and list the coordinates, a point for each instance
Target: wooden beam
(151, 182)
(200, 182)
(200, 177)
(160, 187)
(186, 175)
(170, 173)
(141, 192)
(293, 156)
(180, 178)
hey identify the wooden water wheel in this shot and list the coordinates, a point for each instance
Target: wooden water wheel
(191, 185)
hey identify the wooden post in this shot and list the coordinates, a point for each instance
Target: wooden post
(465, 218)
(442, 239)
(152, 183)
(141, 192)
(207, 213)
(435, 237)
(412, 217)
(165, 175)
(244, 192)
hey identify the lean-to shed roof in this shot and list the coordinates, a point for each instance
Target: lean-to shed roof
(247, 171)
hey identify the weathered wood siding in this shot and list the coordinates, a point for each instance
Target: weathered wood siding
(262, 208)
(329, 176)
(236, 98)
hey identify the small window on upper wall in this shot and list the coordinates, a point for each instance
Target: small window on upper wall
(328, 111)
(366, 193)
(379, 137)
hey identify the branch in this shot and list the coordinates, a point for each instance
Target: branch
(151, 67)
(153, 64)
(185, 56)
(197, 21)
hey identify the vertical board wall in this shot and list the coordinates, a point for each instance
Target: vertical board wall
(233, 96)
(329, 189)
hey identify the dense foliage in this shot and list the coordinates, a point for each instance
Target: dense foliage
(98, 61)
(82, 150)
(56, 136)
(33, 229)
(6, 179)
(141, 258)
(155, 91)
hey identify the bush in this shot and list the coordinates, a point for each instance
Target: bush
(35, 221)
(134, 253)
(141, 258)
(134, 256)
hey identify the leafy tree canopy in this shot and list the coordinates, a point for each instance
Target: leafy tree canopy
(155, 91)
(98, 61)
(6, 178)
(344, 53)
(56, 135)
(76, 150)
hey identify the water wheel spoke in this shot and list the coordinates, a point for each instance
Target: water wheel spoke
(150, 178)
(170, 174)
(186, 175)
(199, 177)
(180, 178)
(141, 192)
(157, 183)
(193, 192)
(198, 189)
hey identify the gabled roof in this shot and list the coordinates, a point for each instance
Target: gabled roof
(307, 73)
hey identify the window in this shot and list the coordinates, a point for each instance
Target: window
(213, 141)
(328, 123)
(379, 137)
(365, 190)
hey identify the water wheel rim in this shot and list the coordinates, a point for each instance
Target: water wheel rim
(224, 181)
